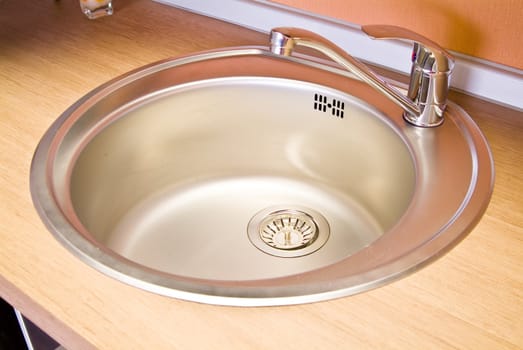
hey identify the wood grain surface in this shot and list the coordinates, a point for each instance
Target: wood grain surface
(50, 56)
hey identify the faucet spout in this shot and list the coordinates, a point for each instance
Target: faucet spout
(426, 99)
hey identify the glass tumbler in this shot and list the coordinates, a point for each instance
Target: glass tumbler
(96, 8)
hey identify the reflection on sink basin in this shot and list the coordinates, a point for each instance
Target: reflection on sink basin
(243, 178)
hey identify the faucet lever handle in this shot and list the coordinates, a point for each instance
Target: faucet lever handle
(429, 76)
(443, 61)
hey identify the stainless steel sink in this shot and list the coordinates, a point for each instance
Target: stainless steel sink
(239, 177)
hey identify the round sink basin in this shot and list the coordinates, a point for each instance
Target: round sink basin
(238, 177)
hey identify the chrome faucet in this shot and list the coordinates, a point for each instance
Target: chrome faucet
(426, 98)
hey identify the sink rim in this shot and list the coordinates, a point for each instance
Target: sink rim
(282, 290)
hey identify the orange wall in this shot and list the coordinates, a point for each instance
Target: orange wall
(488, 29)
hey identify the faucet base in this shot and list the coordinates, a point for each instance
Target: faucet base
(428, 119)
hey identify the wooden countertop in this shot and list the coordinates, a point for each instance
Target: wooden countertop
(50, 56)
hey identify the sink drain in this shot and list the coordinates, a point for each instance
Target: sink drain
(288, 232)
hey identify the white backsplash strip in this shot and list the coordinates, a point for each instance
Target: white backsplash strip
(496, 83)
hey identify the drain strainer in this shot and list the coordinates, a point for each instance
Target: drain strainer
(288, 231)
